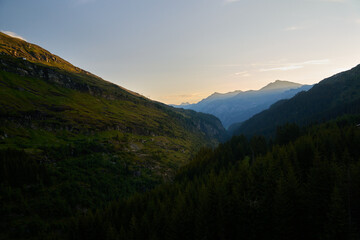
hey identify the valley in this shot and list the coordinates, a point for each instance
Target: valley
(83, 158)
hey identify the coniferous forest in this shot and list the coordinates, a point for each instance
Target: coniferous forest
(303, 185)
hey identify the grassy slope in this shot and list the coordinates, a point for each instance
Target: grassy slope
(87, 116)
(99, 142)
(115, 111)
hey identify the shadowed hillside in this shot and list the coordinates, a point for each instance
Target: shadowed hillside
(70, 141)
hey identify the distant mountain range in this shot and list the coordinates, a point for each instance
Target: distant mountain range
(332, 97)
(238, 106)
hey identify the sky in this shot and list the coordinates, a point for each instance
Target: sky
(176, 51)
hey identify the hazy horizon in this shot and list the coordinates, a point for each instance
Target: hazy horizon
(184, 51)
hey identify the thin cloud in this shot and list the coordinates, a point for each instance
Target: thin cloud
(317, 62)
(12, 34)
(243, 74)
(293, 28)
(357, 21)
(294, 66)
(286, 68)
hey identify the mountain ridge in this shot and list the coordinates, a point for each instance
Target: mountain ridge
(55, 71)
(334, 96)
(71, 142)
(238, 106)
(30, 52)
(279, 85)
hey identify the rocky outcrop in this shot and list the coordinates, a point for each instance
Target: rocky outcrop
(68, 80)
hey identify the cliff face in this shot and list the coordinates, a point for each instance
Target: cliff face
(74, 81)
(24, 50)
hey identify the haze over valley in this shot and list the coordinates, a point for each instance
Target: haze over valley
(238, 106)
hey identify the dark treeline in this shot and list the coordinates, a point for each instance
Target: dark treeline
(17, 169)
(303, 185)
(38, 199)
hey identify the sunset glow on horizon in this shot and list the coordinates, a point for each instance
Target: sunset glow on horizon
(183, 51)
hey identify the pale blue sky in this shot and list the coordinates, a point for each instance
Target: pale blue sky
(183, 50)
